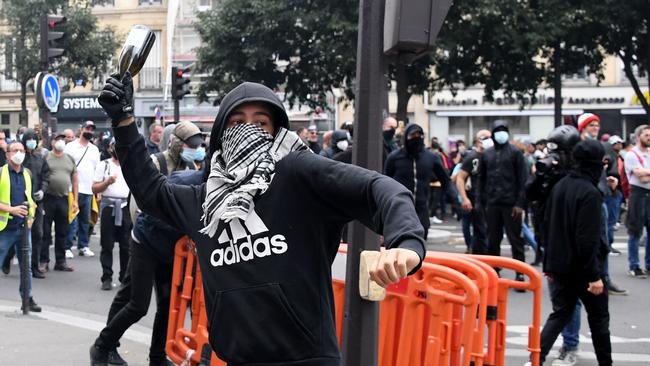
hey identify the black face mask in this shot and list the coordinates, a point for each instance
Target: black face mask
(389, 134)
(414, 146)
(88, 135)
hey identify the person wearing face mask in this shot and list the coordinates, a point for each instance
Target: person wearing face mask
(415, 167)
(63, 180)
(388, 136)
(267, 224)
(115, 219)
(199, 158)
(15, 190)
(575, 253)
(40, 180)
(502, 181)
(340, 142)
(86, 157)
(181, 152)
(467, 188)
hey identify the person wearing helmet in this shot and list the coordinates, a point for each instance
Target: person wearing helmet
(36, 164)
(267, 224)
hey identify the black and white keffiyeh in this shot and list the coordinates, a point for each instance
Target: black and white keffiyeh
(243, 167)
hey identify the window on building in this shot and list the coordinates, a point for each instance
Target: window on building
(150, 2)
(150, 77)
(5, 118)
(107, 3)
(186, 41)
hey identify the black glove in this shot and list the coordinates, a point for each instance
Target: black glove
(117, 98)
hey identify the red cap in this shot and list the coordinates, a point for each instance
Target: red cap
(585, 119)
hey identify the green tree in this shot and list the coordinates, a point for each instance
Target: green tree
(624, 30)
(88, 48)
(307, 47)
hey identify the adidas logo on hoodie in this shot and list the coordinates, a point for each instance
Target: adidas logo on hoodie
(246, 243)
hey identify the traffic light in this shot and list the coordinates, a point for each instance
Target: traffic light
(179, 80)
(49, 33)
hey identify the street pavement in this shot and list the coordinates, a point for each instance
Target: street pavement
(75, 309)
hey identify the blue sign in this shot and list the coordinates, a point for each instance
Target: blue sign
(51, 92)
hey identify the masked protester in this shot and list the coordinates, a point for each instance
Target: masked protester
(181, 152)
(502, 181)
(40, 171)
(250, 224)
(63, 180)
(86, 157)
(388, 136)
(15, 190)
(414, 167)
(312, 139)
(339, 143)
(575, 252)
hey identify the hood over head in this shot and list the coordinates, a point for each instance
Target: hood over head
(339, 135)
(245, 93)
(30, 134)
(411, 127)
(500, 125)
(588, 157)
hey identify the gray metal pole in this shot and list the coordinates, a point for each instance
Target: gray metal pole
(360, 327)
(24, 263)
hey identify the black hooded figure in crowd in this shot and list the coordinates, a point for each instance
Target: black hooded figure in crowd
(575, 253)
(415, 167)
(502, 190)
(267, 224)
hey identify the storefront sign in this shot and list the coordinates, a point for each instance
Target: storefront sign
(79, 107)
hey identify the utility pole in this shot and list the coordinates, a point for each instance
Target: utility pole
(360, 324)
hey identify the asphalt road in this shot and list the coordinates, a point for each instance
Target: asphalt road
(75, 310)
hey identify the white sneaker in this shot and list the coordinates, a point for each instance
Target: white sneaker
(86, 252)
(566, 358)
(436, 220)
(68, 254)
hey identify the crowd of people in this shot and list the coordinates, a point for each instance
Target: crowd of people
(74, 180)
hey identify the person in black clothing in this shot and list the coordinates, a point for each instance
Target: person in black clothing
(575, 252)
(414, 167)
(466, 188)
(152, 246)
(267, 225)
(389, 127)
(36, 164)
(155, 135)
(340, 143)
(502, 178)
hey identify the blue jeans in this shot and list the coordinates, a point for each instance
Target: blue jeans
(528, 236)
(633, 241)
(79, 226)
(613, 203)
(14, 238)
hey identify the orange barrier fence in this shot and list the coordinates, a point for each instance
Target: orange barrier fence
(438, 316)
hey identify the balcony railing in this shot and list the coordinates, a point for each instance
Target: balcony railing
(150, 78)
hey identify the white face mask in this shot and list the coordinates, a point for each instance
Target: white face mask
(18, 158)
(501, 137)
(342, 145)
(487, 143)
(59, 145)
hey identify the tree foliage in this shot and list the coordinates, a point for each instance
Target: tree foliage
(308, 47)
(88, 49)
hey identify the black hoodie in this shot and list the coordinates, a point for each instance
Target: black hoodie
(267, 282)
(416, 172)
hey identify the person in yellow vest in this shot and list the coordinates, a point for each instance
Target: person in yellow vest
(15, 189)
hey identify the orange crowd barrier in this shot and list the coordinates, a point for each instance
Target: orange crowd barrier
(534, 285)
(438, 316)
